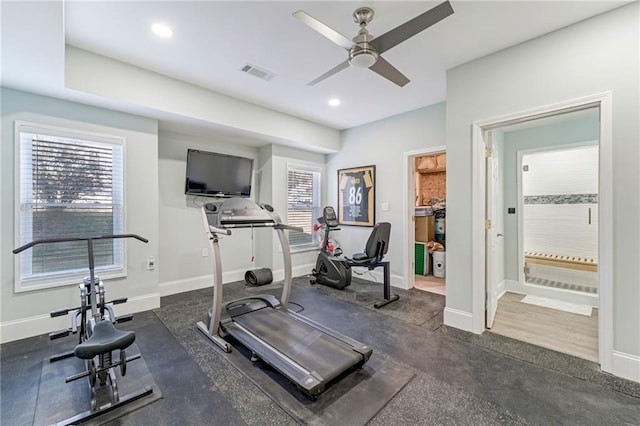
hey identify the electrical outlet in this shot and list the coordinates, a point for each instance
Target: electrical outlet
(205, 252)
(151, 263)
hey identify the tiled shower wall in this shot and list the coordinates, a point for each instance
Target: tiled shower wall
(560, 213)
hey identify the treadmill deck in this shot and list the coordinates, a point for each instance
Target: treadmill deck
(305, 354)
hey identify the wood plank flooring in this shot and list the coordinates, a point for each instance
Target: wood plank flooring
(431, 284)
(564, 332)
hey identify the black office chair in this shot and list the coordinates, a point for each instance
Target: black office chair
(376, 248)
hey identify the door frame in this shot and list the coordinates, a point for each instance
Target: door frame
(408, 207)
(605, 212)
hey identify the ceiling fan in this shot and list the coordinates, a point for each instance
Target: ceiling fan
(365, 49)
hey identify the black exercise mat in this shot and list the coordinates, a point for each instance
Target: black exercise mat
(352, 400)
(58, 401)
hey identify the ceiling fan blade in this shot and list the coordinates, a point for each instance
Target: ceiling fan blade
(329, 73)
(410, 28)
(323, 29)
(388, 71)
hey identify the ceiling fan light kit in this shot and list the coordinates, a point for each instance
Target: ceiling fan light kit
(365, 49)
(362, 58)
(363, 54)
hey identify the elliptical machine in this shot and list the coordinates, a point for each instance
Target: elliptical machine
(331, 269)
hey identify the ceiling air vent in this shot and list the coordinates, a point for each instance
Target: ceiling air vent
(257, 72)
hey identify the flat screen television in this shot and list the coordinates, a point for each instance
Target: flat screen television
(218, 175)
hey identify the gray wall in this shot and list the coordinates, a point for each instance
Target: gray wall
(141, 200)
(180, 217)
(384, 143)
(593, 56)
(181, 264)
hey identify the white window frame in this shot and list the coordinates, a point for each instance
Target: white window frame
(63, 278)
(312, 169)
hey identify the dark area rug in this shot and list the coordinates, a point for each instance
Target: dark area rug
(414, 306)
(369, 388)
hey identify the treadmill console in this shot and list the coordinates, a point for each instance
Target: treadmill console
(240, 213)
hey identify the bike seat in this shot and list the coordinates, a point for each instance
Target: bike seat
(105, 338)
(362, 258)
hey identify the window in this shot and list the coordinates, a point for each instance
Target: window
(69, 184)
(303, 203)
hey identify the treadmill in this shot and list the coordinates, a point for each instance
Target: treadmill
(307, 353)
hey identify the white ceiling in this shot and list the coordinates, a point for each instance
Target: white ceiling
(212, 40)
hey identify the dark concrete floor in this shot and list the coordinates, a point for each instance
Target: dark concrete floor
(460, 378)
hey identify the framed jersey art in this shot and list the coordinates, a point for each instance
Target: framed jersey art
(356, 196)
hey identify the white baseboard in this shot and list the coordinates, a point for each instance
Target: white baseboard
(458, 319)
(180, 286)
(196, 283)
(502, 288)
(138, 304)
(299, 271)
(377, 275)
(626, 366)
(44, 324)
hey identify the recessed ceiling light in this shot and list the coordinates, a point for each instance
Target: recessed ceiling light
(334, 102)
(161, 30)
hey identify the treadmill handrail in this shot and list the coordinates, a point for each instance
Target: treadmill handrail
(212, 232)
(216, 230)
(289, 227)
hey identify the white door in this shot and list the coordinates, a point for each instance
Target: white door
(492, 227)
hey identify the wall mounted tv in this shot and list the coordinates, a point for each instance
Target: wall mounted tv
(218, 175)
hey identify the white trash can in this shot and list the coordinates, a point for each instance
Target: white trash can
(438, 264)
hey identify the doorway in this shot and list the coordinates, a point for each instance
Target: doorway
(551, 299)
(600, 107)
(426, 210)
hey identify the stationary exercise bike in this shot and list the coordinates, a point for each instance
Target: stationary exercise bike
(98, 338)
(335, 270)
(331, 269)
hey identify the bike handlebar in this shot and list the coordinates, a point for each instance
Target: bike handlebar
(64, 240)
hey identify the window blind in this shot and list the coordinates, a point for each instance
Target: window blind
(69, 187)
(303, 203)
